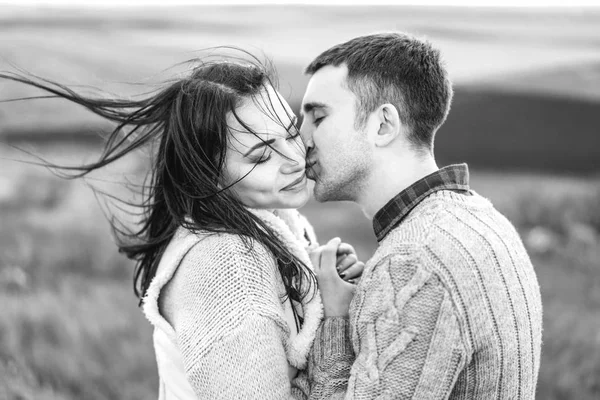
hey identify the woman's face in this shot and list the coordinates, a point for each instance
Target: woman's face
(270, 179)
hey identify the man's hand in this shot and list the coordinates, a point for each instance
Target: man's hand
(335, 292)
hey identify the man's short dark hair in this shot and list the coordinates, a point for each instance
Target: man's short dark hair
(399, 69)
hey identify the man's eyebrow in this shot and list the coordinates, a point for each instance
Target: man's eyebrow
(259, 145)
(308, 107)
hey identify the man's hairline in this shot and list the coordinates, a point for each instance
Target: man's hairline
(361, 112)
(345, 85)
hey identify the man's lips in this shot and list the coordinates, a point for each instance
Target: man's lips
(310, 173)
(296, 182)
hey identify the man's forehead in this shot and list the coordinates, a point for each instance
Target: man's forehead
(325, 88)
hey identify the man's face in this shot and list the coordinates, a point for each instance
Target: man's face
(338, 156)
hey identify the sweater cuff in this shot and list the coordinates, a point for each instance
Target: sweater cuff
(333, 340)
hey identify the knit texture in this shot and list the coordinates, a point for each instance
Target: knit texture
(448, 307)
(221, 329)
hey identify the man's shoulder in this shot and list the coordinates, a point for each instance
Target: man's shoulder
(447, 214)
(447, 234)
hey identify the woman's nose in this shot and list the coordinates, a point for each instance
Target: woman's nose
(294, 163)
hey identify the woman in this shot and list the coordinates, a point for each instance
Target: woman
(222, 263)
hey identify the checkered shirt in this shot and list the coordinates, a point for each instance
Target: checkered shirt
(453, 177)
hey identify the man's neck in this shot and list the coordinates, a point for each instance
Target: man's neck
(392, 178)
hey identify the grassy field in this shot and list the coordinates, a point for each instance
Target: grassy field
(527, 100)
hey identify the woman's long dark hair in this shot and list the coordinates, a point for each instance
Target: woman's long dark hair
(186, 122)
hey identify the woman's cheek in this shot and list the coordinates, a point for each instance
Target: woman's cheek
(256, 191)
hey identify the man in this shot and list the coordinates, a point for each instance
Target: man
(449, 305)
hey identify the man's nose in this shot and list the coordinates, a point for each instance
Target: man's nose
(306, 137)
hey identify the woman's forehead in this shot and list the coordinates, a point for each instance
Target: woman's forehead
(266, 114)
(268, 102)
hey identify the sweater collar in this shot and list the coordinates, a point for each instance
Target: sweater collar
(453, 177)
(290, 227)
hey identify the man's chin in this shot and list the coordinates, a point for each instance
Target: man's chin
(324, 193)
(320, 193)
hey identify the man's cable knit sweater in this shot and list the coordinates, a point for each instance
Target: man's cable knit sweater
(448, 308)
(221, 329)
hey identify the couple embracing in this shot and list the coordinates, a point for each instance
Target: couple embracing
(448, 306)
(244, 302)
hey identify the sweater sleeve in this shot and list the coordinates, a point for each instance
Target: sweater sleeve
(408, 339)
(331, 359)
(227, 315)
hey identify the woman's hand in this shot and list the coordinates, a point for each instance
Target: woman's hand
(335, 292)
(347, 264)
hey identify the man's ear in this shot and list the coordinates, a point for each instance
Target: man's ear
(390, 125)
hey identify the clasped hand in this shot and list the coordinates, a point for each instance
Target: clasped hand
(337, 269)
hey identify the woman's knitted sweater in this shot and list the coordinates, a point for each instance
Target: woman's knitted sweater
(221, 328)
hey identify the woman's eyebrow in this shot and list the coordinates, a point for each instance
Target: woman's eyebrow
(259, 145)
(293, 123)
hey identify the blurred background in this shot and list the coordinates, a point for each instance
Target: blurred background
(525, 117)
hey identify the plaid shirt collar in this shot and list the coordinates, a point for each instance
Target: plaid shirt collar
(453, 177)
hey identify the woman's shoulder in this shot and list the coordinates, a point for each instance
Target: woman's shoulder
(224, 274)
(217, 286)
(201, 273)
(225, 261)
(229, 250)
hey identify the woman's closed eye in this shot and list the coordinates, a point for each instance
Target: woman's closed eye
(265, 157)
(318, 120)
